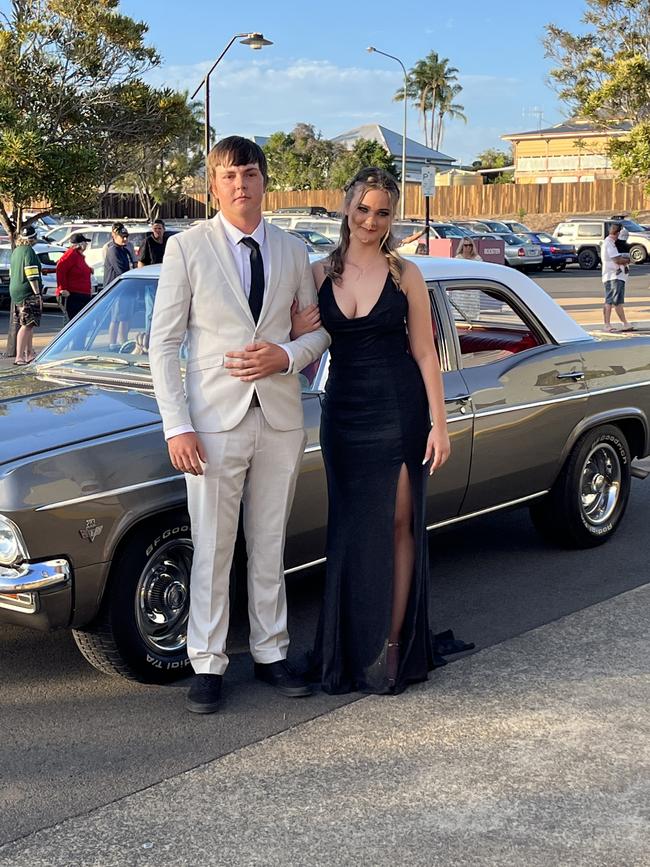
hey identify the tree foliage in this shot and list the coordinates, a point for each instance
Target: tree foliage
(66, 67)
(432, 85)
(364, 153)
(301, 159)
(167, 152)
(603, 74)
(493, 158)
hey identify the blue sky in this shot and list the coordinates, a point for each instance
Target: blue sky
(318, 71)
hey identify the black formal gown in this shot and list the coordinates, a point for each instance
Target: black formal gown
(375, 420)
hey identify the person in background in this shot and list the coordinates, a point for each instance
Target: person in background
(614, 278)
(153, 246)
(73, 276)
(25, 287)
(118, 261)
(151, 253)
(467, 250)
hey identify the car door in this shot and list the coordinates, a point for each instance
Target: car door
(527, 392)
(447, 487)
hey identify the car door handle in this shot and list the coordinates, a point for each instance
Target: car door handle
(462, 399)
(574, 375)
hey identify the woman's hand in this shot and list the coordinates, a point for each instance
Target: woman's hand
(438, 447)
(64, 293)
(304, 321)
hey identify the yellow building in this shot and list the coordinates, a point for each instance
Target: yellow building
(569, 152)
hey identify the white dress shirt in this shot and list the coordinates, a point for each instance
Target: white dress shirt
(242, 257)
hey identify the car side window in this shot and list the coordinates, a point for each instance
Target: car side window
(591, 230)
(99, 239)
(488, 326)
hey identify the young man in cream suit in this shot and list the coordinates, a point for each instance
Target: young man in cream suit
(236, 427)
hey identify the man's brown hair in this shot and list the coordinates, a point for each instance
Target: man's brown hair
(237, 151)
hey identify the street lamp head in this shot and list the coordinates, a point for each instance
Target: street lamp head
(370, 49)
(255, 41)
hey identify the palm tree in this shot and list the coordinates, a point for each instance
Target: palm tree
(432, 86)
(447, 107)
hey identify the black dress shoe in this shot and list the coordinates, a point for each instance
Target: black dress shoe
(204, 693)
(283, 678)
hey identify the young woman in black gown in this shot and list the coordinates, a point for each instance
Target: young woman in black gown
(383, 432)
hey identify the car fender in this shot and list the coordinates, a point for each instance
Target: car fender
(632, 416)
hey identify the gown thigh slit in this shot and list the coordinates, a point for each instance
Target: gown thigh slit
(375, 422)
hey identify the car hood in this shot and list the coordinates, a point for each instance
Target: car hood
(39, 413)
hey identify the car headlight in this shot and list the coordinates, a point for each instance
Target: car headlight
(12, 546)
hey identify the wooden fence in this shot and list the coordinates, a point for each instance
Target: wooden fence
(490, 200)
(496, 199)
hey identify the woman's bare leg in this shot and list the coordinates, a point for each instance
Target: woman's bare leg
(404, 548)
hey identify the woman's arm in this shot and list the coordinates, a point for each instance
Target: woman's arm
(420, 328)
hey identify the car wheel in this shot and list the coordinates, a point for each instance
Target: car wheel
(558, 266)
(638, 254)
(140, 632)
(589, 498)
(588, 259)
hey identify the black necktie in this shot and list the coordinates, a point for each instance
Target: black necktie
(256, 295)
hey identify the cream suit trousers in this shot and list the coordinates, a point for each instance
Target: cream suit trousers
(255, 463)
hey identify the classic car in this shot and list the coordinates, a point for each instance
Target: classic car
(94, 533)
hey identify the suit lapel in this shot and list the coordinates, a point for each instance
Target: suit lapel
(274, 239)
(219, 243)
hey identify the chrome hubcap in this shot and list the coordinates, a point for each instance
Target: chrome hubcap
(163, 597)
(601, 484)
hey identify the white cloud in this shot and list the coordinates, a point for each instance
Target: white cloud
(266, 94)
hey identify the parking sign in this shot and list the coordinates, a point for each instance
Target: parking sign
(428, 180)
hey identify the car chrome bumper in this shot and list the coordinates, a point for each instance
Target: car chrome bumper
(32, 577)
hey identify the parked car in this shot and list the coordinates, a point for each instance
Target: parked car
(556, 254)
(100, 235)
(521, 253)
(327, 226)
(318, 242)
(480, 226)
(94, 532)
(516, 228)
(587, 234)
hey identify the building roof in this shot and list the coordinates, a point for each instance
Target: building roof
(571, 128)
(392, 141)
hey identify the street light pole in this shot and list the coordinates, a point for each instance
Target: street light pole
(372, 49)
(254, 41)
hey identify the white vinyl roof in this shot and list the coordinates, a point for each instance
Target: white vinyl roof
(561, 327)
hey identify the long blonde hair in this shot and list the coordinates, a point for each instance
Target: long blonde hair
(365, 180)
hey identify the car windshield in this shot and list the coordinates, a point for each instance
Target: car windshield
(451, 231)
(631, 226)
(547, 239)
(112, 331)
(515, 240)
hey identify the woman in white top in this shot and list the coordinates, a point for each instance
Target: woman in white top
(467, 250)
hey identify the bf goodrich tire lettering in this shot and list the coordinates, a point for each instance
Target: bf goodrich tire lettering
(589, 498)
(140, 631)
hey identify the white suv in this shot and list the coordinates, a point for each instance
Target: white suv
(587, 234)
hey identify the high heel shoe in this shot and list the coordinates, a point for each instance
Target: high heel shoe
(392, 662)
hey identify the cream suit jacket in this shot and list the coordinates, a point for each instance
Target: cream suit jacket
(200, 296)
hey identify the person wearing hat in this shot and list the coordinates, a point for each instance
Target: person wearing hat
(118, 261)
(153, 247)
(25, 286)
(73, 276)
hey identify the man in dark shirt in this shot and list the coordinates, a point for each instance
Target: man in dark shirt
(118, 261)
(153, 246)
